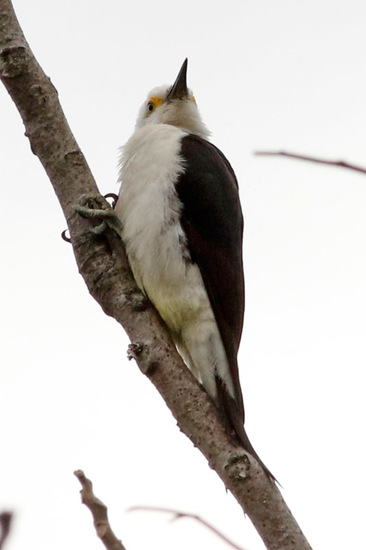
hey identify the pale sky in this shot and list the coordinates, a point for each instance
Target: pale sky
(267, 75)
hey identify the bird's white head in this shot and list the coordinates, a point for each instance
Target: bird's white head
(174, 105)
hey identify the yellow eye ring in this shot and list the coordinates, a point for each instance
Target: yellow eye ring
(152, 104)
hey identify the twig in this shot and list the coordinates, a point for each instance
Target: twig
(178, 515)
(5, 524)
(338, 163)
(99, 513)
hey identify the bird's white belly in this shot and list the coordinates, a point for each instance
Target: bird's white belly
(172, 284)
(150, 211)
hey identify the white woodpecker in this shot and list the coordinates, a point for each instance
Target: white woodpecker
(182, 226)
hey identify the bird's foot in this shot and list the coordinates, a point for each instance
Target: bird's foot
(98, 208)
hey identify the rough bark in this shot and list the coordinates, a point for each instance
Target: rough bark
(102, 262)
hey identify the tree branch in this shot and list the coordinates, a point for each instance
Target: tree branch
(5, 525)
(179, 515)
(102, 262)
(338, 163)
(99, 513)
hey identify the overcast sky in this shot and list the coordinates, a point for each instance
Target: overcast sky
(267, 75)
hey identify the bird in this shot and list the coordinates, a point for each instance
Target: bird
(182, 226)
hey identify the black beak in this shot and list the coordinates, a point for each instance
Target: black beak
(179, 89)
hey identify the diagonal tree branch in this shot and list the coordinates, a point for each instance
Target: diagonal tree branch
(338, 163)
(102, 263)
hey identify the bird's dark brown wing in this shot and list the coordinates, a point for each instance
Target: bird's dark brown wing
(213, 223)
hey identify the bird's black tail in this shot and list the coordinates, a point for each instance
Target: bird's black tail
(234, 413)
(244, 439)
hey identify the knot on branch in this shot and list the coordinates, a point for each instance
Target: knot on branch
(13, 61)
(238, 466)
(76, 158)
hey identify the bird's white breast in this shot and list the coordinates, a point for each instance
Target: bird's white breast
(150, 209)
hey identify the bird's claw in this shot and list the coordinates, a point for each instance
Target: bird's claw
(65, 237)
(93, 206)
(114, 198)
(97, 207)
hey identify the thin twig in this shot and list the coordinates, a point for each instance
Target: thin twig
(338, 163)
(99, 513)
(178, 515)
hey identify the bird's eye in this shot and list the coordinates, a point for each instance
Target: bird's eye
(153, 104)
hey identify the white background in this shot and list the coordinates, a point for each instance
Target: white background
(267, 75)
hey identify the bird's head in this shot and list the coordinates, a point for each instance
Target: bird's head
(174, 105)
